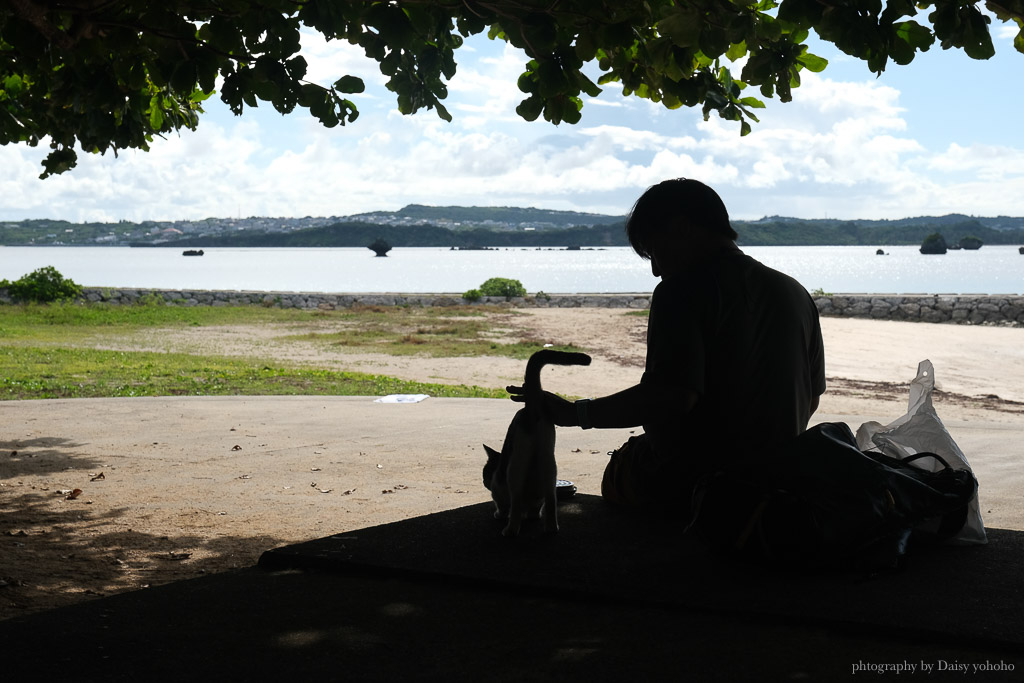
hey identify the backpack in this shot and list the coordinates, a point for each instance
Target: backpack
(820, 502)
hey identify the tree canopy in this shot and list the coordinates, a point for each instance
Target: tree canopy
(108, 75)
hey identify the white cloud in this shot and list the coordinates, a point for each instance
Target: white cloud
(1006, 32)
(841, 148)
(985, 162)
(486, 90)
(631, 139)
(329, 60)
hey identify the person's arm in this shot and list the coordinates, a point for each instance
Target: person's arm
(632, 407)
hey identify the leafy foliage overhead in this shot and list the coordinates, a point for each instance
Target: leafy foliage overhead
(111, 74)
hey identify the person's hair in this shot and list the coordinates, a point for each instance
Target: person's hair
(678, 202)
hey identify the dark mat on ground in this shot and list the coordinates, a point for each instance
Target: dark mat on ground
(949, 594)
(253, 625)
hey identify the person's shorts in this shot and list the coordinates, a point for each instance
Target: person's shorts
(637, 478)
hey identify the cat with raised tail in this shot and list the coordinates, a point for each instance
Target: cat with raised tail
(522, 478)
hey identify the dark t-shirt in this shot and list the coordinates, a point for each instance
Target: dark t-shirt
(747, 340)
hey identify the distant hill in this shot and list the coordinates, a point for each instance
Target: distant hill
(492, 217)
(454, 226)
(777, 231)
(355, 234)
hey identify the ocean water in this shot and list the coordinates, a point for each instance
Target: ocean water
(847, 270)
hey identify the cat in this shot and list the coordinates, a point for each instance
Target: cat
(522, 478)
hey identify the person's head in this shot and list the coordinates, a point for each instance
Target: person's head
(676, 213)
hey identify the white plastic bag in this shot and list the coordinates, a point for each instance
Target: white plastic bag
(921, 430)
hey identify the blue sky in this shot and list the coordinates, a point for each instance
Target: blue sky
(938, 136)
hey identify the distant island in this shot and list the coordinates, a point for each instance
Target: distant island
(477, 227)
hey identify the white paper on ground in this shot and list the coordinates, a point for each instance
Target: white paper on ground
(921, 431)
(402, 398)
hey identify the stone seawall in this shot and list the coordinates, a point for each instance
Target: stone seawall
(964, 309)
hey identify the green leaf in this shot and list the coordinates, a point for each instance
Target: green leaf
(976, 41)
(736, 51)
(571, 110)
(527, 82)
(914, 35)
(156, 113)
(682, 26)
(539, 34)
(392, 24)
(551, 79)
(812, 62)
(530, 108)
(586, 85)
(296, 67)
(12, 85)
(442, 112)
(349, 84)
(586, 47)
(58, 161)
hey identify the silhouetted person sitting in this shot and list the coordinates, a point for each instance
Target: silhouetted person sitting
(735, 361)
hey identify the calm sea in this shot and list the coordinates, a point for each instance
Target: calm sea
(990, 270)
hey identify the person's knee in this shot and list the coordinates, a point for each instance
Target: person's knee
(625, 473)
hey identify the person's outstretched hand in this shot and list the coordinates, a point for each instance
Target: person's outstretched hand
(554, 407)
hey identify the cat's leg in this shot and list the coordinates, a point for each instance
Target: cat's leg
(548, 475)
(518, 473)
(515, 520)
(551, 511)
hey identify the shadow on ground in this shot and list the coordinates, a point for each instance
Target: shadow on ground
(443, 597)
(47, 561)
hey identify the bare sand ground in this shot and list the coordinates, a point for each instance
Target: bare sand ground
(979, 369)
(177, 499)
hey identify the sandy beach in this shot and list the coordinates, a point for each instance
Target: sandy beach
(179, 487)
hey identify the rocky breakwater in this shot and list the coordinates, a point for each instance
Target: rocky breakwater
(942, 308)
(322, 301)
(965, 309)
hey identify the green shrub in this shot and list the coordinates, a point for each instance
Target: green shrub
(42, 285)
(472, 295)
(502, 286)
(150, 299)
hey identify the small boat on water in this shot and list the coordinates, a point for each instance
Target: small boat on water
(192, 252)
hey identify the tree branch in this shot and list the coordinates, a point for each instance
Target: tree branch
(36, 15)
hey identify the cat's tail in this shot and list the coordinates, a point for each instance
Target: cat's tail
(538, 360)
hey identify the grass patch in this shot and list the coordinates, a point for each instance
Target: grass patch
(35, 373)
(49, 350)
(439, 332)
(70, 321)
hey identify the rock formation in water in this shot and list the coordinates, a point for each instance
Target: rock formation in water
(934, 243)
(380, 247)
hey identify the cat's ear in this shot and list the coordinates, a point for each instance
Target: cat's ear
(493, 458)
